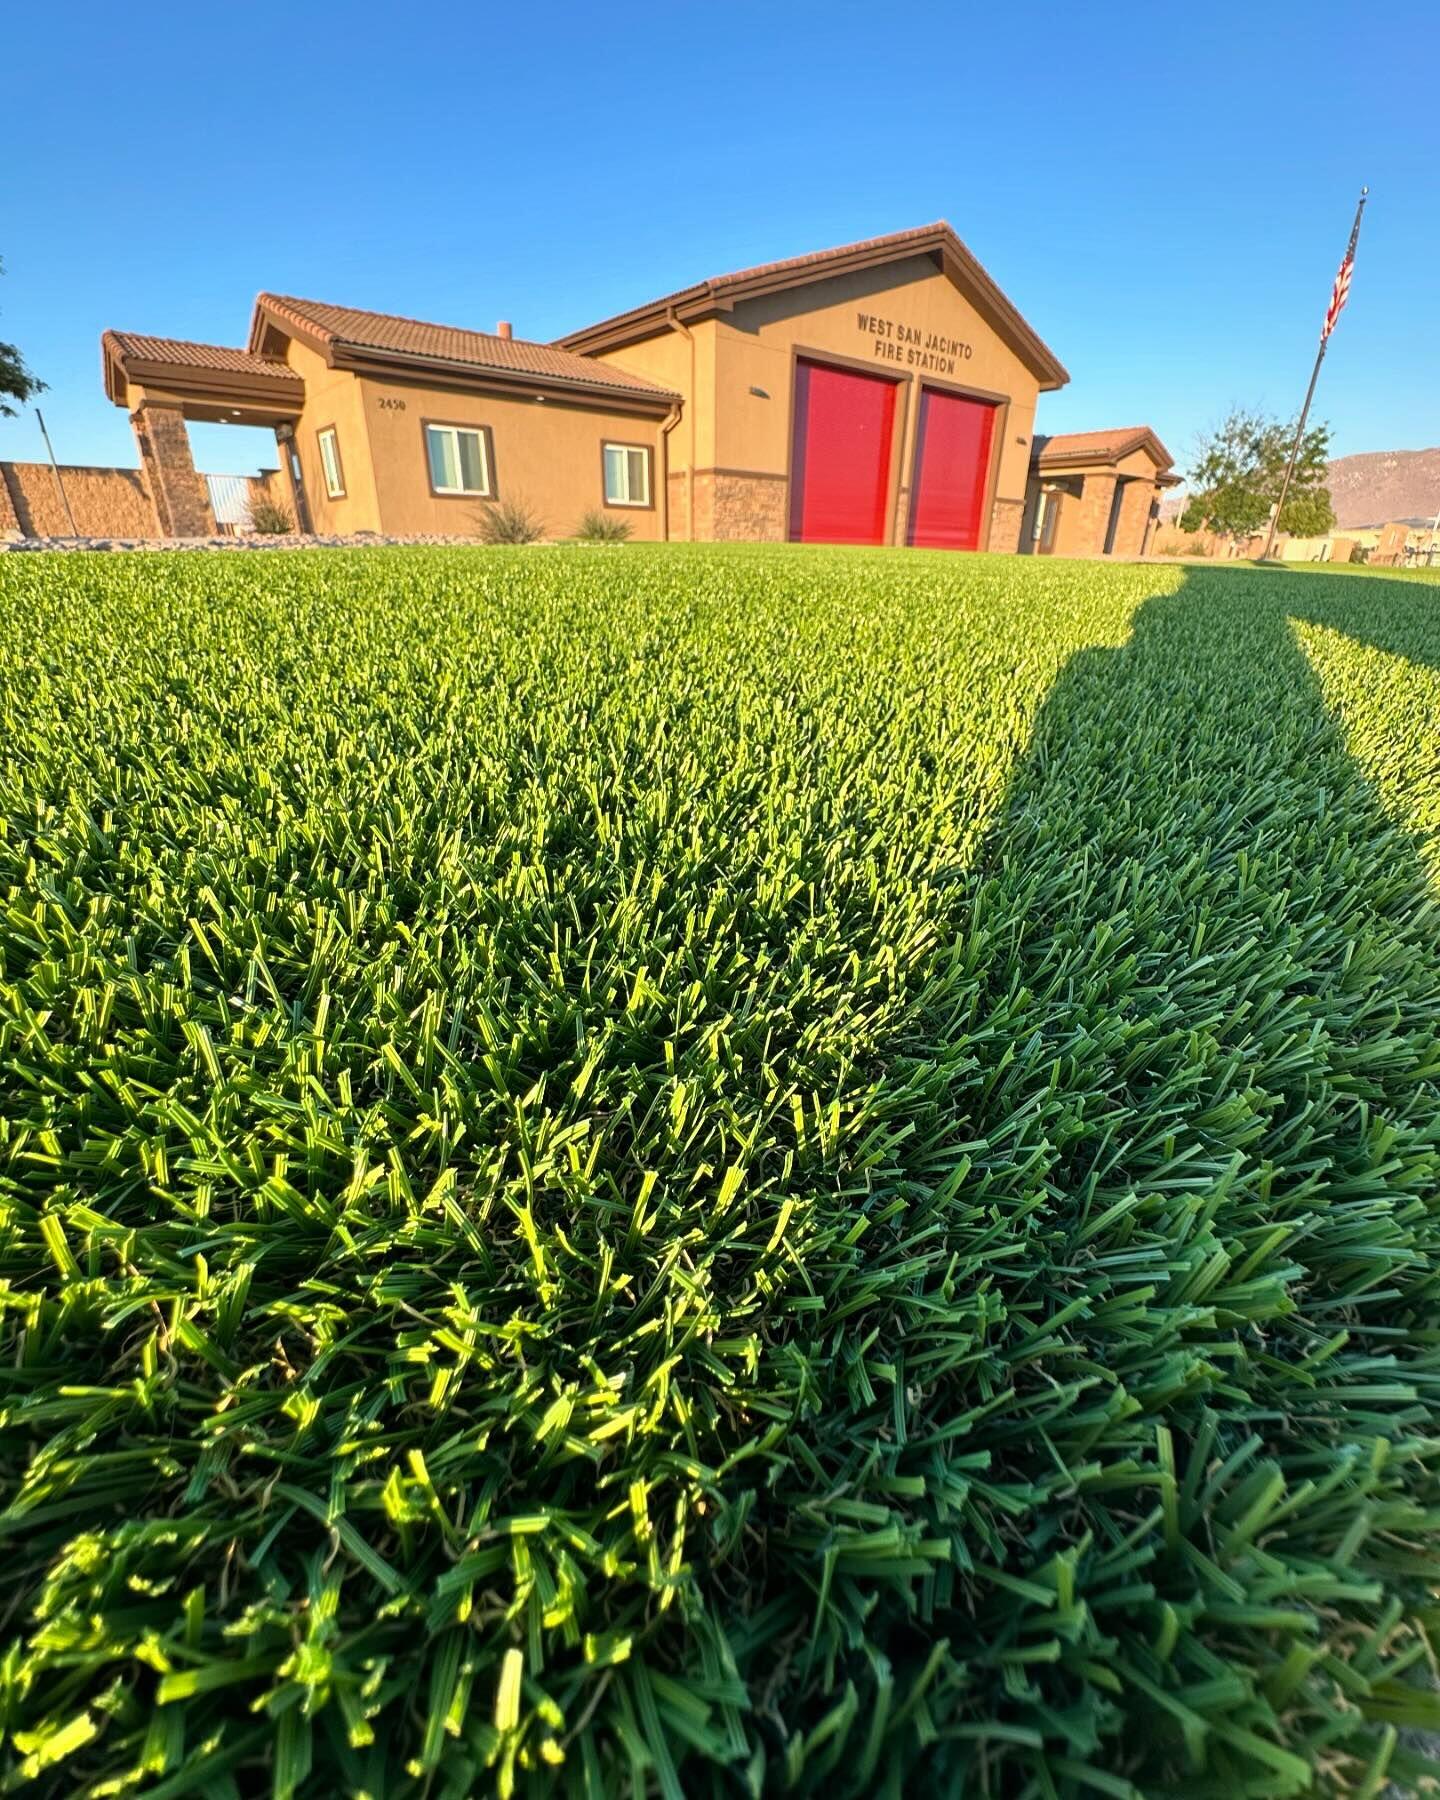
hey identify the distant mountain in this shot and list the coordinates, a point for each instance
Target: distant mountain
(1172, 506)
(1380, 485)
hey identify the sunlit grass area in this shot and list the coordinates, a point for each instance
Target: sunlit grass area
(717, 1172)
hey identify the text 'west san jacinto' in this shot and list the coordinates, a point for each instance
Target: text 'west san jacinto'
(900, 343)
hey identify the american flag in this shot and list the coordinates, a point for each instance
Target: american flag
(1339, 294)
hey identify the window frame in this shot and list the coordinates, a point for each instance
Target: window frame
(337, 492)
(648, 451)
(491, 489)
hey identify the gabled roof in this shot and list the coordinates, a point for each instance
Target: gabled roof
(1073, 447)
(135, 356)
(720, 292)
(345, 335)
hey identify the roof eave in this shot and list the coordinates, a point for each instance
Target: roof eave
(688, 306)
(941, 242)
(1002, 315)
(124, 369)
(1045, 458)
(371, 359)
(113, 369)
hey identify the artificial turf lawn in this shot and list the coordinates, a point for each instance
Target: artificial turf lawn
(715, 1171)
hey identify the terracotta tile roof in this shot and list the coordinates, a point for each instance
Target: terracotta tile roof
(135, 347)
(1099, 446)
(424, 342)
(816, 260)
(918, 240)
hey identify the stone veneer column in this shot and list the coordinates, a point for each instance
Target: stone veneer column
(1135, 502)
(748, 508)
(702, 522)
(182, 504)
(1005, 520)
(1092, 518)
(9, 518)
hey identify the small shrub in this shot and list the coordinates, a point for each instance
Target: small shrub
(510, 522)
(602, 528)
(269, 519)
(1183, 543)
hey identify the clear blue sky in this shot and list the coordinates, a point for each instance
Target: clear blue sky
(1164, 195)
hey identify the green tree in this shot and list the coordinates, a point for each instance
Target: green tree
(16, 381)
(1238, 471)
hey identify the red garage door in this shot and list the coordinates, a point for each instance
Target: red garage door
(840, 463)
(952, 470)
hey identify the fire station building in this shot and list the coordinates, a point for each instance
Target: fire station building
(879, 393)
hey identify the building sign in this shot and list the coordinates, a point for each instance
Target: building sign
(895, 342)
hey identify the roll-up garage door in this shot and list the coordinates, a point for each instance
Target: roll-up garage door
(952, 470)
(840, 460)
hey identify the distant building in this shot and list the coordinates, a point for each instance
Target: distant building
(1404, 543)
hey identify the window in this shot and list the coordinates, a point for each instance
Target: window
(627, 475)
(330, 462)
(459, 459)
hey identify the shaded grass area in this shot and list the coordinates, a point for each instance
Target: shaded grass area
(715, 1172)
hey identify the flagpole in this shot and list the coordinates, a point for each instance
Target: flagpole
(64, 497)
(1309, 395)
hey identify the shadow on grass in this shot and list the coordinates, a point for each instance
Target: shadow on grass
(1216, 917)
(1219, 1001)
(1212, 719)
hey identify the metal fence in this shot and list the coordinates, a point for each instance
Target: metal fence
(230, 501)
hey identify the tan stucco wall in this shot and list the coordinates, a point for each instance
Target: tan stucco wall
(885, 319)
(1138, 463)
(105, 502)
(547, 454)
(682, 360)
(332, 397)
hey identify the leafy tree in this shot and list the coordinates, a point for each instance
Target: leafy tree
(1238, 471)
(16, 381)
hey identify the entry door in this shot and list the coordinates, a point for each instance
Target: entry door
(952, 470)
(840, 457)
(1052, 503)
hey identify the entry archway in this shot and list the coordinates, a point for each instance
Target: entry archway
(163, 382)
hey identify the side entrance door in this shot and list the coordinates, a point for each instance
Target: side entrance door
(952, 470)
(840, 455)
(1052, 502)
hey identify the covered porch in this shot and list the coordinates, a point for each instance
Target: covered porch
(1095, 493)
(163, 382)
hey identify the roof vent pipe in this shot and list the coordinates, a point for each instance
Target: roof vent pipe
(503, 329)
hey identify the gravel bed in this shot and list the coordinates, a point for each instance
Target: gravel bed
(357, 540)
